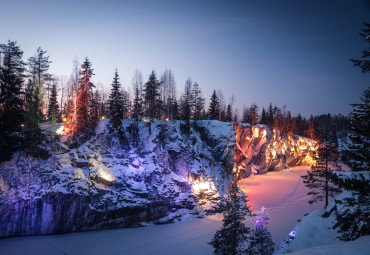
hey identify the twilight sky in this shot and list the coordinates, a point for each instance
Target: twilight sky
(292, 53)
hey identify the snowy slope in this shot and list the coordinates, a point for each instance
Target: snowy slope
(360, 246)
(317, 234)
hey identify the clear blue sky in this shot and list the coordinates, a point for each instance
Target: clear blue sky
(286, 52)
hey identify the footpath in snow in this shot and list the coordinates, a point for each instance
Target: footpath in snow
(282, 193)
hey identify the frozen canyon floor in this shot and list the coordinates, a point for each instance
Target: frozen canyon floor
(282, 193)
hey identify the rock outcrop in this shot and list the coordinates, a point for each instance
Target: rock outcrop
(259, 149)
(162, 175)
(99, 185)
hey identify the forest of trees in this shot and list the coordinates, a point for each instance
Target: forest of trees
(30, 95)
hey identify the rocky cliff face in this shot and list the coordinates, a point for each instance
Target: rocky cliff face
(166, 175)
(100, 185)
(260, 149)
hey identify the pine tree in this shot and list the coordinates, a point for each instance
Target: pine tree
(38, 67)
(137, 108)
(300, 125)
(33, 114)
(186, 102)
(357, 157)
(260, 240)
(84, 122)
(11, 98)
(175, 110)
(214, 107)
(253, 114)
(232, 238)
(116, 111)
(364, 61)
(53, 109)
(270, 116)
(151, 96)
(264, 119)
(229, 114)
(197, 101)
(126, 104)
(318, 179)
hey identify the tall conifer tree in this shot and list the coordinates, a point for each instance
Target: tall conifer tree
(84, 124)
(11, 98)
(151, 96)
(232, 238)
(214, 107)
(116, 109)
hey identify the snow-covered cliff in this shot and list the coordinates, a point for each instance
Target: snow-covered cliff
(100, 185)
(168, 174)
(260, 149)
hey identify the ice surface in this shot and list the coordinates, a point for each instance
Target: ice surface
(281, 192)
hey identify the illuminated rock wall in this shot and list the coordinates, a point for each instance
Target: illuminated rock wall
(260, 149)
(166, 175)
(98, 184)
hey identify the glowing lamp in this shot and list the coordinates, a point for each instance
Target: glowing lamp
(166, 119)
(22, 125)
(106, 176)
(102, 117)
(64, 119)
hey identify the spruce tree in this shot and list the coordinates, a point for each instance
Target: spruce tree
(264, 119)
(84, 123)
(175, 110)
(137, 108)
(151, 96)
(38, 67)
(214, 107)
(197, 101)
(33, 114)
(270, 116)
(253, 114)
(232, 238)
(318, 179)
(357, 156)
(186, 106)
(116, 109)
(364, 61)
(53, 109)
(260, 240)
(229, 114)
(11, 98)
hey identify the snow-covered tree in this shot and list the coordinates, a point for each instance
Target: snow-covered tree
(364, 61)
(358, 154)
(232, 238)
(260, 240)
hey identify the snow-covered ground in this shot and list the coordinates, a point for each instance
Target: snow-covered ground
(282, 193)
(284, 196)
